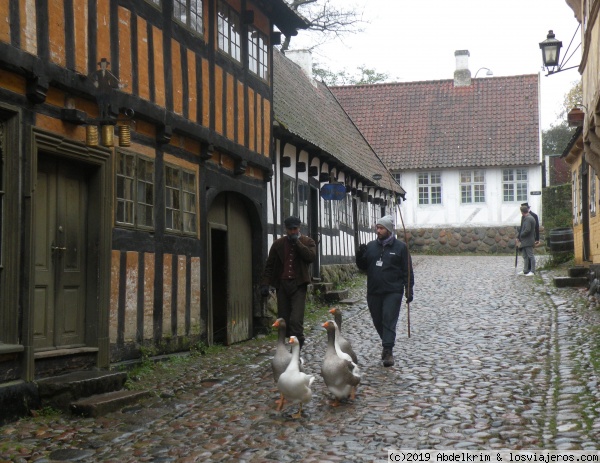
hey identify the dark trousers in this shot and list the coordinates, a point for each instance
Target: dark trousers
(385, 310)
(528, 259)
(291, 299)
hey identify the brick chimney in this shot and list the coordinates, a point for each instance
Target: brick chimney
(462, 75)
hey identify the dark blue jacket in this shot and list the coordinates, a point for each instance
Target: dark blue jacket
(392, 275)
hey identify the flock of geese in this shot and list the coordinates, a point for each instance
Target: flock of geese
(339, 369)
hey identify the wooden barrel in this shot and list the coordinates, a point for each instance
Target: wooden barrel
(561, 240)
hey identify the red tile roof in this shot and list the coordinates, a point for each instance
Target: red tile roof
(432, 124)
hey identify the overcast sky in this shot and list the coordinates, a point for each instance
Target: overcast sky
(415, 40)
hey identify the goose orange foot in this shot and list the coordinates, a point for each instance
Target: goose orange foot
(336, 403)
(280, 403)
(299, 414)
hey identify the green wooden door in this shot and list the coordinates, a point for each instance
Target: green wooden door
(60, 244)
(239, 300)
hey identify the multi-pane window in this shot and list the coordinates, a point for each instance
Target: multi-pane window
(189, 12)
(397, 176)
(364, 209)
(343, 210)
(303, 193)
(592, 191)
(289, 195)
(180, 200)
(327, 213)
(134, 190)
(430, 188)
(258, 53)
(228, 26)
(472, 186)
(514, 185)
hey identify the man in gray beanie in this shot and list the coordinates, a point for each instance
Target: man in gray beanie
(389, 272)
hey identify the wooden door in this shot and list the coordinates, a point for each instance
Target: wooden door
(59, 249)
(239, 245)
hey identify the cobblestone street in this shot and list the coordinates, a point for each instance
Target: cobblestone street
(494, 361)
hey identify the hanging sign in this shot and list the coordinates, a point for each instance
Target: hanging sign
(333, 191)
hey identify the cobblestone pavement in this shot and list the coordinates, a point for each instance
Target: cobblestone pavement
(494, 361)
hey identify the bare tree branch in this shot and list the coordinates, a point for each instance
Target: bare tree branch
(326, 19)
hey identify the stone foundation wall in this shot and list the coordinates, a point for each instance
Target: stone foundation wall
(457, 240)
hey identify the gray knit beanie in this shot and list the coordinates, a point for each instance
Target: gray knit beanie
(387, 222)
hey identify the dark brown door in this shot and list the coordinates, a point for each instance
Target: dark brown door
(60, 243)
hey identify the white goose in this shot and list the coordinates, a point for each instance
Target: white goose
(340, 373)
(344, 344)
(282, 356)
(293, 384)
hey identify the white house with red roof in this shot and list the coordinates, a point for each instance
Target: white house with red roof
(467, 151)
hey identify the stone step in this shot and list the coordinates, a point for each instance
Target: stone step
(336, 296)
(568, 282)
(322, 287)
(578, 271)
(60, 391)
(101, 404)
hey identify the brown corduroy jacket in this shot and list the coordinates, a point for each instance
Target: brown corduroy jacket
(307, 253)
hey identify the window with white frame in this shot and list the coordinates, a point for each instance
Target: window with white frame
(228, 26)
(343, 210)
(327, 213)
(288, 186)
(364, 213)
(472, 186)
(180, 200)
(430, 188)
(134, 190)
(189, 13)
(592, 191)
(515, 186)
(397, 176)
(303, 194)
(258, 53)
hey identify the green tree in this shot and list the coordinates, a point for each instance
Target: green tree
(556, 138)
(572, 98)
(362, 76)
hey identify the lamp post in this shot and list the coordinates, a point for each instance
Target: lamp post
(488, 73)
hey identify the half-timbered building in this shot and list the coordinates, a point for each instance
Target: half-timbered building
(136, 144)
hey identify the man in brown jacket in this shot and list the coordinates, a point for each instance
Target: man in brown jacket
(288, 270)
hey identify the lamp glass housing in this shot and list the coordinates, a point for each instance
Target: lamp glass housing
(551, 50)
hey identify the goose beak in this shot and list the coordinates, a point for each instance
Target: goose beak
(276, 324)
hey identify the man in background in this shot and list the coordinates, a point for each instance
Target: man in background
(526, 241)
(536, 232)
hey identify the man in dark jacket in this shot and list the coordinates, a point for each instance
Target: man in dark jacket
(536, 231)
(526, 241)
(389, 273)
(288, 270)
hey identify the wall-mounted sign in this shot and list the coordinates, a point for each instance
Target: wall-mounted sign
(333, 191)
(535, 193)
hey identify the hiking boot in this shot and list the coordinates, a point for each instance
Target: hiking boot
(383, 353)
(388, 358)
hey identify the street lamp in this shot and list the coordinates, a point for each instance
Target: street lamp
(551, 53)
(488, 73)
